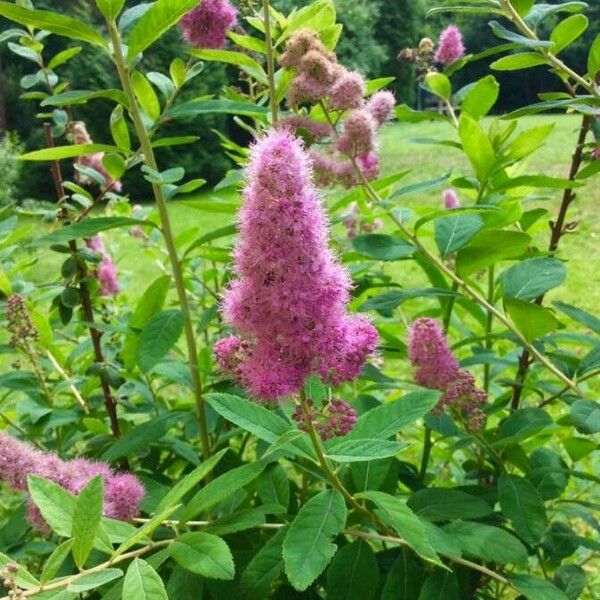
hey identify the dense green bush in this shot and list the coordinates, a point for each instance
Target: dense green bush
(10, 167)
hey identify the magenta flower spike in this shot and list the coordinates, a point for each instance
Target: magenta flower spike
(206, 26)
(288, 300)
(450, 46)
(450, 198)
(122, 491)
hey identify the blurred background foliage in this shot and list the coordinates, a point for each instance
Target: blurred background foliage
(374, 32)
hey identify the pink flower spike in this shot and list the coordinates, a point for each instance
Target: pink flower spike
(450, 46)
(107, 276)
(206, 26)
(450, 198)
(288, 301)
(381, 106)
(348, 91)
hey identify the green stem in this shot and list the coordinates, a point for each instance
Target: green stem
(270, 62)
(161, 203)
(427, 445)
(449, 308)
(488, 328)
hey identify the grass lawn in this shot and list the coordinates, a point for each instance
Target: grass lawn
(138, 268)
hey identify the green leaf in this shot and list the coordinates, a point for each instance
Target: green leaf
(489, 247)
(395, 513)
(207, 107)
(55, 560)
(86, 519)
(215, 234)
(487, 543)
(536, 589)
(146, 96)
(142, 582)
(548, 473)
(529, 141)
(307, 547)
(523, 6)
(264, 569)
(82, 96)
(63, 57)
(532, 320)
(243, 61)
(353, 573)
(55, 504)
(567, 31)
(110, 8)
(361, 450)
(159, 335)
(391, 417)
(51, 21)
(439, 84)
(221, 488)
(533, 277)
(140, 437)
(585, 415)
(455, 231)
(190, 481)
(522, 424)
(443, 504)
(522, 504)
(440, 585)
(516, 62)
(382, 247)
(419, 186)
(204, 554)
(538, 181)
(581, 316)
(477, 147)
(60, 152)
(388, 301)
(404, 579)
(91, 581)
(593, 61)
(85, 229)
(151, 302)
(256, 419)
(481, 97)
(505, 34)
(158, 19)
(571, 579)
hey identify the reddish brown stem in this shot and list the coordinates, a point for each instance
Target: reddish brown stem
(86, 302)
(558, 229)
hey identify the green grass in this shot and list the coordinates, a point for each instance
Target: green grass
(138, 266)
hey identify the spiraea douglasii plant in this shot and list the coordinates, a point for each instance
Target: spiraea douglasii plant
(312, 383)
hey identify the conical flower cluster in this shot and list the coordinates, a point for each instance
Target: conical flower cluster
(206, 26)
(122, 491)
(437, 368)
(288, 302)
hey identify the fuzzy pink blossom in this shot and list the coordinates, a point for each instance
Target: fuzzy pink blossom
(96, 244)
(288, 301)
(450, 198)
(381, 106)
(369, 165)
(358, 136)
(122, 491)
(596, 153)
(450, 46)
(206, 26)
(107, 276)
(348, 91)
(437, 368)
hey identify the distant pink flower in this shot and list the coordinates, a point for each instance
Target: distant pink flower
(315, 129)
(122, 491)
(381, 106)
(107, 276)
(358, 137)
(596, 153)
(348, 91)
(96, 244)
(450, 46)
(94, 161)
(450, 198)
(288, 301)
(369, 165)
(206, 26)
(437, 368)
